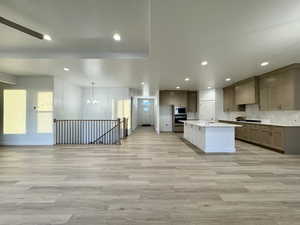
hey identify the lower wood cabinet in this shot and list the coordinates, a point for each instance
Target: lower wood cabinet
(253, 134)
(265, 135)
(278, 137)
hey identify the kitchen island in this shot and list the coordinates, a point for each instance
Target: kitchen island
(211, 137)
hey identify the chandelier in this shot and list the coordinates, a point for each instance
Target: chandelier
(92, 99)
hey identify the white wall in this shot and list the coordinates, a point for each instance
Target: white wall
(134, 93)
(70, 101)
(106, 107)
(157, 112)
(33, 84)
(165, 116)
(67, 100)
(134, 113)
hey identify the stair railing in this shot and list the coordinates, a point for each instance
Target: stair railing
(90, 131)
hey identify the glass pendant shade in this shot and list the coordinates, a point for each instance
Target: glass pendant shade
(92, 99)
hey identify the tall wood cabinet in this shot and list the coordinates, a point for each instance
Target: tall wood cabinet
(192, 101)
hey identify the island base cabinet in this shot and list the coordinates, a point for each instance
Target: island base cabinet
(220, 140)
(188, 132)
(211, 139)
(193, 135)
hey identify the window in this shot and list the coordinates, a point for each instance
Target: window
(146, 102)
(14, 111)
(45, 112)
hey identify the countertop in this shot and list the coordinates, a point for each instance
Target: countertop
(262, 123)
(201, 123)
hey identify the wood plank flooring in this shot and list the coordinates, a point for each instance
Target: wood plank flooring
(150, 179)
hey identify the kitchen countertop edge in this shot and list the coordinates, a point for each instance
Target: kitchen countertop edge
(209, 125)
(258, 123)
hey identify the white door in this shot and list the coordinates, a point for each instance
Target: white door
(207, 110)
(145, 112)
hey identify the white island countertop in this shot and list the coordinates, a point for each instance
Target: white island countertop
(202, 123)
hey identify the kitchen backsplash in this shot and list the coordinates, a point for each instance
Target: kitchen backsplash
(192, 116)
(253, 112)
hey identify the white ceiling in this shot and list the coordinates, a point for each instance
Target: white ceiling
(79, 28)
(163, 42)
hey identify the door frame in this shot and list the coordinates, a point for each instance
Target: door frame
(138, 109)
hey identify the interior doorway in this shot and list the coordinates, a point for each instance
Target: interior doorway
(145, 112)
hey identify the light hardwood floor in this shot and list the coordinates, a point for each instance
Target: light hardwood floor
(150, 179)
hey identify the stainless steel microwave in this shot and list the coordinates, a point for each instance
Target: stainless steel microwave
(180, 110)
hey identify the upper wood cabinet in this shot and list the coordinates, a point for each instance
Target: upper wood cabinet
(176, 98)
(278, 89)
(246, 92)
(229, 100)
(273, 91)
(179, 98)
(186, 99)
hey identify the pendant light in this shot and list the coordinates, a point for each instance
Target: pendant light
(92, 99)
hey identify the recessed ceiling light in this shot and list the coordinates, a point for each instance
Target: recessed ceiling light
(209, 87)
(142, 83)
(204, 63)
(177, 87)
(117, 37)
(66, 69)
(47, 37)
(228, 79)
(264, 63)
(187, 79)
